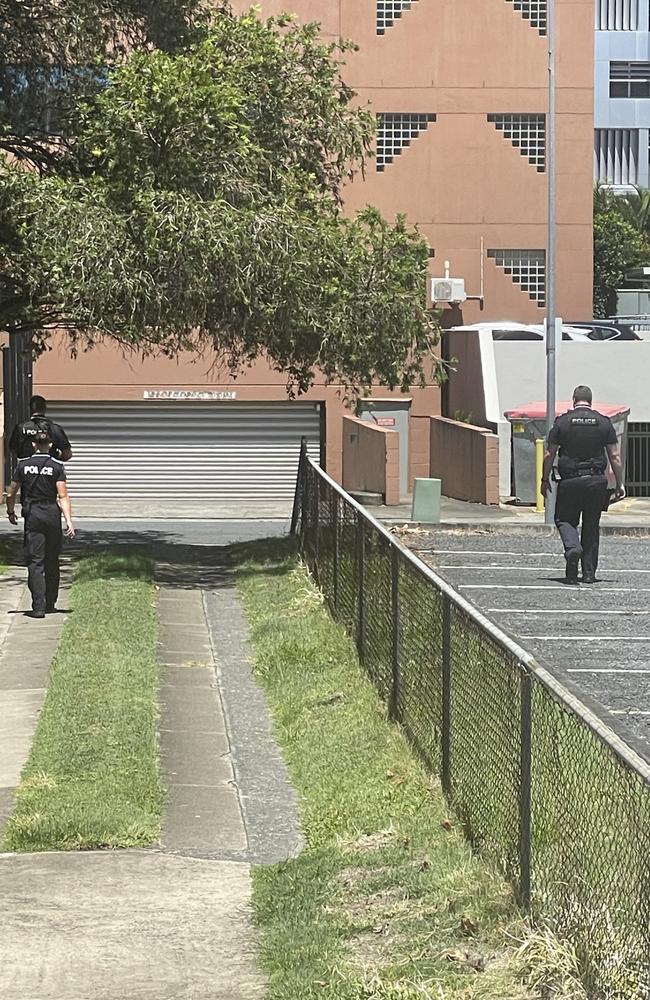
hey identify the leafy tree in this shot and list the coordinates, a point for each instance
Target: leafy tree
(618, 246)
(634, 206)
(198, 205)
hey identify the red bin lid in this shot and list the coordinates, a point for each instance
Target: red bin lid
(537, 411)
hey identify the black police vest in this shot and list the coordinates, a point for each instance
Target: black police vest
(28, 431)
(582, 443)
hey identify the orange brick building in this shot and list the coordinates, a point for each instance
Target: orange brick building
(459, 90)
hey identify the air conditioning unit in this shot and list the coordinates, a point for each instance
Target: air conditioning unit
(448, 290)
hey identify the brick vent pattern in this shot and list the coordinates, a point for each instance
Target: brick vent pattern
(389, 11)
(533, 11)
(396, 131)
(527, 268)
(527, 133)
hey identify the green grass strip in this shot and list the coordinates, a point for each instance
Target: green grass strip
(387, 901)
(92, 778)
(8, 554)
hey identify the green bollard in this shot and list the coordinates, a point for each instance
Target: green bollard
(426, 500)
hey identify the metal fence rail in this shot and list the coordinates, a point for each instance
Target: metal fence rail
(541, 784)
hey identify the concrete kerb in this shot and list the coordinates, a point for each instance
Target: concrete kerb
(509, 528)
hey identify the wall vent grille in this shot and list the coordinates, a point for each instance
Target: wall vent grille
(389, 11)
(616, 155)
(617, 15)
(527, 268)
(527, 133)
(396, 131)
(533, 11)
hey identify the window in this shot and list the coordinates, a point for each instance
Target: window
(395, 131)
(527, 268)
(617, 15)
(388, 11)
(527, 133)
(38, 96)
(533, 11)
(629, 79)
(616, 156)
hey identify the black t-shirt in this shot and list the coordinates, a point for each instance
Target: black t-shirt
(38, 477)
(21, 439)
(582, 436)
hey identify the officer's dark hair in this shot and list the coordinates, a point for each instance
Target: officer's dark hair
(38, 404)
(582, 394)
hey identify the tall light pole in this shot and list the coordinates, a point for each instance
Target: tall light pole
(550, 240)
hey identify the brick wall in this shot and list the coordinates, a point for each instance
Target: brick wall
(419, 447)
(466, 459)
(370, 459)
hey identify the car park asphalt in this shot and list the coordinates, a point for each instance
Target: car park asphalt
(593, 638)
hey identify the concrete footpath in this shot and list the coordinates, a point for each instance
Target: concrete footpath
(628, 516)
(172, 922)
(27, 646)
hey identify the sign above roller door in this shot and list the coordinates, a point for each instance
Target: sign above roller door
(190, 394)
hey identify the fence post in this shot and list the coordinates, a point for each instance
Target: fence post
(525, 778)
(446, 695)
(337, 553)
(316, 569)
(396, 630)
(300, 485)
(361, 578)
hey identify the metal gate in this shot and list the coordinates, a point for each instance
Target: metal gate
(17, 388)
(637, 473)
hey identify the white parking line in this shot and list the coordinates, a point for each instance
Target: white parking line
(628, 711)
(531, 569)
(589, 638)
(605, 670)
(564, 611)
(483, 552)
(542, 586)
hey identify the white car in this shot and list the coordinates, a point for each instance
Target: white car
(589, 331)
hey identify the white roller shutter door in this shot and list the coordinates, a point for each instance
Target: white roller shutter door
(190, 452)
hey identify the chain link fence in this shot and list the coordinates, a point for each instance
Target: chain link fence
(542, 786)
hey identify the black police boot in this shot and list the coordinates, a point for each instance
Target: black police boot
(588, 577)
(572, 562)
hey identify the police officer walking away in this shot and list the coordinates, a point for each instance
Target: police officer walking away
(586, 439)
(44, 495)
(20, 443)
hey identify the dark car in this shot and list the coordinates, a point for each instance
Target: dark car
(607, 329)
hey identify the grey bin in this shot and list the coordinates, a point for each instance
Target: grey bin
(528, 422)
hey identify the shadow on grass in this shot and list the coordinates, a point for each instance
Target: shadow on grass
(178, 564)
(115, 564)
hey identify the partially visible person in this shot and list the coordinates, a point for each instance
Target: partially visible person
(44, 496)
(20, 443)
(586, 440)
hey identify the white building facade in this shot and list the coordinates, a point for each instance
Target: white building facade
(622, 92)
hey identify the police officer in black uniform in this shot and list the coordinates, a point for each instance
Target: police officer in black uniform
(20, 443)
(44, 495)
(586, 439)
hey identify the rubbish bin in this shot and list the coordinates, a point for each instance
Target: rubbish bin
(528, 423)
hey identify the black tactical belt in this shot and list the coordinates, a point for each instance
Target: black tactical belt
(581, 473)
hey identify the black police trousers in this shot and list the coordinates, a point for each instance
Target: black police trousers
(583, 497)
(43, 543)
